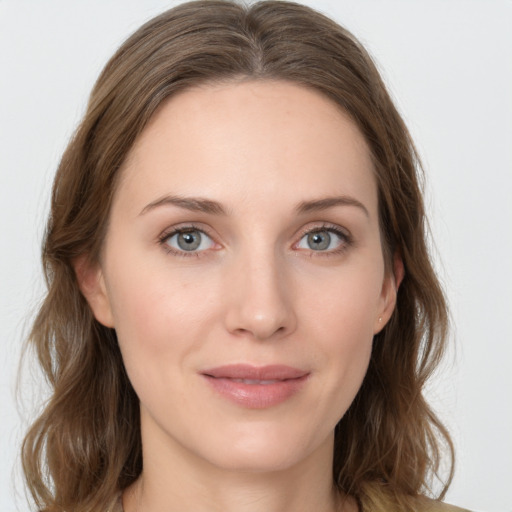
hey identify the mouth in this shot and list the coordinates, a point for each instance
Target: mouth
(256, 387)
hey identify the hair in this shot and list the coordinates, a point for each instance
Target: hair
(86, 446)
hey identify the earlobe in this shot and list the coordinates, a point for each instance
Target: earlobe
(389, 292)
(92, 285)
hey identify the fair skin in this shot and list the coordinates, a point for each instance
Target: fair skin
(278, 262)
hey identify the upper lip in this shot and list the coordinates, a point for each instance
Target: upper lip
(246, 371)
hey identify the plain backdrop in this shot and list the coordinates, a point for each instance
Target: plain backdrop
(448, 64)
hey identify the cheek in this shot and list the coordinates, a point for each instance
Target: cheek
(345, 336)
(343, 360)
(340, 319)
(344, 305)
(159, 317)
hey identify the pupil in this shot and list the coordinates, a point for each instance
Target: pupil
(189, 241)
(319, 241)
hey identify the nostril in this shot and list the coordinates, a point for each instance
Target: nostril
(260, 306)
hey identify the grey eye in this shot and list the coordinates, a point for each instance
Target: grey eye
(319, 241)
(192, 240)
(323, 240)
(189, 241)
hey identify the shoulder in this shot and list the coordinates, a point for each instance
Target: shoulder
(437, 506)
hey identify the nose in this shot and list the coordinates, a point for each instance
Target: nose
(260, 303)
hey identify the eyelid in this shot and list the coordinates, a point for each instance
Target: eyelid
(339, 231)
(184, 228)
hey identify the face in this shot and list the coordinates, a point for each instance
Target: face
(243, 272)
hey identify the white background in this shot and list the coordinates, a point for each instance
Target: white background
(448, 63)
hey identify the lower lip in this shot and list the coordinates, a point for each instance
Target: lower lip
(256, 396)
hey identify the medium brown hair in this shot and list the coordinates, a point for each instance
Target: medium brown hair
(86, 444)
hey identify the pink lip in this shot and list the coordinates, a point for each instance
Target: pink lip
(285, 381)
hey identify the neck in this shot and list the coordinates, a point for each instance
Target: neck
(245, 493)
(180, 481)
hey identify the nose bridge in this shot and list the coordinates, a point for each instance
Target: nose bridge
(261, 304)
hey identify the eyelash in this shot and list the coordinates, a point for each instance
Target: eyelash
(346, 238)
(166, 235)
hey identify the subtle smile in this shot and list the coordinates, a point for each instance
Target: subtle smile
(256, 387)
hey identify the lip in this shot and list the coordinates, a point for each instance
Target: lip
(256, 387)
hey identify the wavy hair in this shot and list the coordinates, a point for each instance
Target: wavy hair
(85, 446)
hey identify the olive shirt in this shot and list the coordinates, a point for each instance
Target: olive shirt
(436, 507)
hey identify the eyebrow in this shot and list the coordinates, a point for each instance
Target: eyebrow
(199, 204)
(317, 205)
(194, 204)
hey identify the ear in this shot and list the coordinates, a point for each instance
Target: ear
(389, 291)
(92, 285)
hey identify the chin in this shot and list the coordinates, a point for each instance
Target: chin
(265, 451)
(266, 461)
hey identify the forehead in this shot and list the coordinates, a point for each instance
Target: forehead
(253, 140)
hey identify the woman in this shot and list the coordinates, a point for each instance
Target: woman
(241, 311)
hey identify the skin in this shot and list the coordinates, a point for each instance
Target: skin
(255, 292)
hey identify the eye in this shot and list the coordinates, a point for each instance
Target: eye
(324, 240)
(188, 240)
